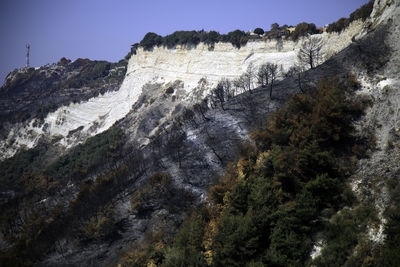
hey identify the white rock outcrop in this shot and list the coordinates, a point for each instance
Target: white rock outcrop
(161, 65)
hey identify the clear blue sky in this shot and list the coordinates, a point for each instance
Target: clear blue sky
(100, 29)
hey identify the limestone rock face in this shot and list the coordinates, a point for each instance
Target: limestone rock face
(158, 87)
(190, 65)
(222, 59)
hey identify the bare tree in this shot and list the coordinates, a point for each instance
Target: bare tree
(273, 74)
(300, 75)
(174, 143)
(267, 75)
(310, 52)
(241, 83)
(250, 75)
(212, 142)
(227, 85)
(263, 75)
(222, 92)
(248, 107)
(246, 81)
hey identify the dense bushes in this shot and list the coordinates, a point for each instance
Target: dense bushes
(150, 40)
(303, 29)
(90, 73)
(283, 190)
(84, 158)
(24, 161)
(279, 190)
(89, 156)
(237, 38)
(362, 13)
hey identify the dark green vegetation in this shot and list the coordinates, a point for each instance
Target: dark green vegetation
(92, 73)
(37, 217)
(303, 29)
(258, 31)
(389, 253)
(240, 38)
(89, 156)
(83, 159)
(24, 161)
(362, 13)
(33, 93)
(286, 187)
(237, 38)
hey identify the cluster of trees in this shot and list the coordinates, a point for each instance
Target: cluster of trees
(276, 193)
(362, 13)
(276, 31)
(83, 159)
(265, 76)
(285, 188)
(303, 29)
(93, 73)
(90, 156)
(237, 38)
(45, 211)
(309, 56)
(24, 161)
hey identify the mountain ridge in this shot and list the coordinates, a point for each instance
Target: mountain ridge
(190, 145)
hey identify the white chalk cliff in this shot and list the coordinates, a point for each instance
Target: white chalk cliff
(161, 65)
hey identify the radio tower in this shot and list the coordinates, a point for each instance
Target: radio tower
(28, 47)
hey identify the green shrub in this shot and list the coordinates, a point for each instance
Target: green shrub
(343, 232)
(361, 13)
(237, 38)
(87, 157)
(258, 31)
(302, 29)
(25, 161)
(339, 25)
(187, 246)
(150, 40)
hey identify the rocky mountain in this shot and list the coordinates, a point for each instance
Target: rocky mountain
(96, 162)
(161, 65)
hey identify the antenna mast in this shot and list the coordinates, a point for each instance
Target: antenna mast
(28, 47)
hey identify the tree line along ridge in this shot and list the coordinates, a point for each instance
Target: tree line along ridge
(239, 38)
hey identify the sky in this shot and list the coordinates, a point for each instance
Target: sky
(106, 29)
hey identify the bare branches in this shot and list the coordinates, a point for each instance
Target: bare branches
(222, 92)
(245, 82)
(267, 75)
(263, 75)
(273, 74)
(310, 52)
(300, 76)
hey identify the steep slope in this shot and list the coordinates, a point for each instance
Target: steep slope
(191, 65)
(32, 100)
(160, 124)
(360, 233)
